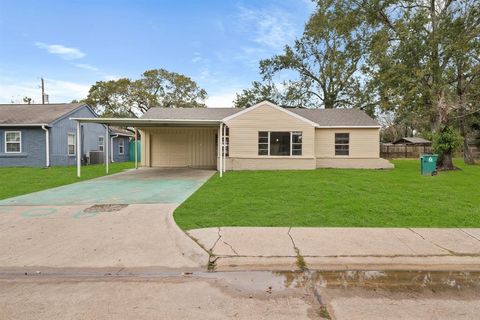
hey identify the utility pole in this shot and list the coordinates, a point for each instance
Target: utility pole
(43, 91)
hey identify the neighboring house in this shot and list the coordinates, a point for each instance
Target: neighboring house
(39, 135)
(413, 141)
(264, 136)
(119, 144)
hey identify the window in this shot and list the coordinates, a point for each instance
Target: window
(263, 143)
(13, 142)
(342, 141)
(227, 141)
(101, 143)
(280, 143)
(71, 144)
(121, 146)
(296, 143)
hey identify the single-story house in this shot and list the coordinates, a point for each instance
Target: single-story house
(262, 137)
(43, 135)
(119, 144)
(413, 141)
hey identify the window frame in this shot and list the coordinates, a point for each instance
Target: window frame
(121, 147)
(226, 152)
(226, 145)
(263, 143)
(292, 133)
(102, 149)
(292, 144)
(74, 144)
(342, 144)
(19, 142)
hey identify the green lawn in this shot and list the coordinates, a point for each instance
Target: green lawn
(337, 198)
(18, 181)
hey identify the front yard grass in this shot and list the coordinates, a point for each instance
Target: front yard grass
(337, 198)
(16, 181)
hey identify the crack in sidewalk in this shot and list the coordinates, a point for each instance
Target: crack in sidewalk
(435, 244)
(470, 235)
(228, 244)
(323, 311)
(301, 264)
(216, 241)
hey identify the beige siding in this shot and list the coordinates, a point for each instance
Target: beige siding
(179, 147)
(354, 163)
(244, 133)
(364, 143)
(144, 147)
(282, 163)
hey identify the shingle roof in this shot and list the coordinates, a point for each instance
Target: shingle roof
(414, 140)
(120, 131)
(336, 117)
(34, 113)
(190, 113)
(323, 117)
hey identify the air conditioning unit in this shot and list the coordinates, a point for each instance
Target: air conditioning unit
(97, 157)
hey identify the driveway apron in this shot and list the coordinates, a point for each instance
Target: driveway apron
(119, 221)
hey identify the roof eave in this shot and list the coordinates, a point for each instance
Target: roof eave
(349, 127)
(139, 122)
(24, 124)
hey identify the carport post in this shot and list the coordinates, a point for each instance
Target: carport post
(220, 142)
(107, 147)
(224, 148)
(79, 149)
(136, 148)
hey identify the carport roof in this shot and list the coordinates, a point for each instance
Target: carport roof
(136, 122)
(190, 113)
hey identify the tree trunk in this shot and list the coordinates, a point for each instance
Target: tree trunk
(467, 154)
(445, 162)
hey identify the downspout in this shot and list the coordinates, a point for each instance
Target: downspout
(111, 146)
(47, 145)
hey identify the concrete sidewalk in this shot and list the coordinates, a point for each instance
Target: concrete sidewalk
(245, 248)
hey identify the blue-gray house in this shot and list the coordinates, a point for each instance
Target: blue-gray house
(120, 144)
(42, 135)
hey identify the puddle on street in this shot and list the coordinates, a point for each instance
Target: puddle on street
(391, 280)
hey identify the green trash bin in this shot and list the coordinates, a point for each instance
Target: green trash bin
(428, 164)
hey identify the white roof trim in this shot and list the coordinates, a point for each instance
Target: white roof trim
(23, 124)
(267, 103)
(140, 121)
(347, 127)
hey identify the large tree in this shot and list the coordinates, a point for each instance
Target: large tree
(418, 63)
(286, 94)
(155, 88)
(327, 59)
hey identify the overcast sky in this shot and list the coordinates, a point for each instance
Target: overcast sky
(74, 43)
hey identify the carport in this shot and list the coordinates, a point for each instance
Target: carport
(174, 142)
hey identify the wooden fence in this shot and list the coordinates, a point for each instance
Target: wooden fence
(405, 151)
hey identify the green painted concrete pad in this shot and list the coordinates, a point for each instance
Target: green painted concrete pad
(114, 191)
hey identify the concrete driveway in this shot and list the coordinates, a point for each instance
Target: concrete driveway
(119, 221)
(146, 185)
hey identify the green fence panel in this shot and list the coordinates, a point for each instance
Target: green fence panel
(131, 154)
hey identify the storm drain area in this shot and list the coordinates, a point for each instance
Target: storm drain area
(98, 208)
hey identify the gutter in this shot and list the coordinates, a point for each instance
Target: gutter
(111, 146)
(22, 125)
(47, 145)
